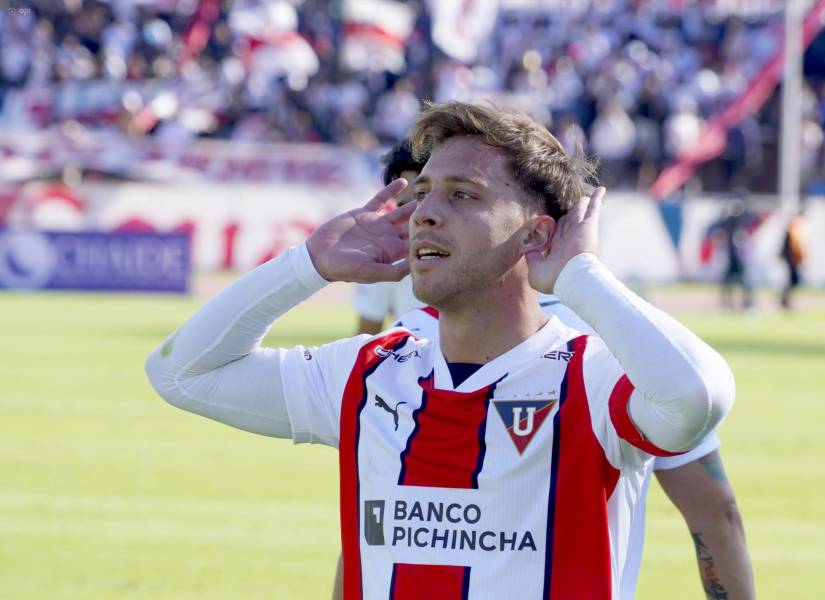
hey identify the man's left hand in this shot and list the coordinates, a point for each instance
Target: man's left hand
(576, 232)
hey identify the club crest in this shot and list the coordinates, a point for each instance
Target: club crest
(522, 418)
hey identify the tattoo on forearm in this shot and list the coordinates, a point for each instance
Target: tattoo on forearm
(714, 589)
(713, 465)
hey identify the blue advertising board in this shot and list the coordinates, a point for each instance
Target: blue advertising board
(55, 260)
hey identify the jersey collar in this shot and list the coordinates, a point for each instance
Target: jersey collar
(551, 334)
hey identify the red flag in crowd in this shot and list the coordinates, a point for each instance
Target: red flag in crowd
(713, 138)
(197, 33)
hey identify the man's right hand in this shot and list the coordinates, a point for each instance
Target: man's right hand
(364, 244)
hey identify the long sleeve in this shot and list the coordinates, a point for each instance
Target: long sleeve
(681, 387)
(213, 365)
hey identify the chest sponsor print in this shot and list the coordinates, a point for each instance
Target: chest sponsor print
(523, 418)
(439, 525)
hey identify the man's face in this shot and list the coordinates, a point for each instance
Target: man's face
(471, 211)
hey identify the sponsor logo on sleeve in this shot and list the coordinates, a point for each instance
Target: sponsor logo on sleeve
(562, 355)
(397, 356)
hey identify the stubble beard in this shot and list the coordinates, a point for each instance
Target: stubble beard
(459, 288)
(443, 295)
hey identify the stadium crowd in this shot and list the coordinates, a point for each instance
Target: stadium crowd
(627, 80)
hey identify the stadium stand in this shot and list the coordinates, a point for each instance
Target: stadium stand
(632, 81)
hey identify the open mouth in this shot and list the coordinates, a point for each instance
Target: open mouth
(426, 254)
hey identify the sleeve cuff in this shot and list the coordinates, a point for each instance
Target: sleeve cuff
(304, 270)
(623, 424)
(708, 445)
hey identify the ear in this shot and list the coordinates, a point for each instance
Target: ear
(539, 232)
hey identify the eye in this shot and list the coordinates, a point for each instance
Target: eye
(419, 195)
(461, 195)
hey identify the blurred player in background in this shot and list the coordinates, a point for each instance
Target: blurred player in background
(376, 301)
(794, 249)
(513, 509)
(733, 231)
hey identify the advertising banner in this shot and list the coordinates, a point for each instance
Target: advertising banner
(145, 262)
(28, 155)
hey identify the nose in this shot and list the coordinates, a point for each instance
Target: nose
(428, 213)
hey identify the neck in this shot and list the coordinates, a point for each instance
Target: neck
(480, 331)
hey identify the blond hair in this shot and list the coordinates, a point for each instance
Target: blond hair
(553, 180)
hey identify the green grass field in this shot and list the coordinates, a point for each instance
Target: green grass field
(108, 492)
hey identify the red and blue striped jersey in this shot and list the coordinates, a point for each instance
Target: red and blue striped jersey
(518, 483)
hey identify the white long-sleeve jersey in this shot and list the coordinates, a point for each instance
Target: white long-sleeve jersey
(423, 322)
(519, 482)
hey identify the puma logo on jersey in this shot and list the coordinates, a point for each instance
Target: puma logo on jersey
(381, 403)
(522, 418)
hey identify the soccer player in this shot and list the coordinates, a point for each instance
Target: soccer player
(373, 302)
(504, 461)
(695, 481)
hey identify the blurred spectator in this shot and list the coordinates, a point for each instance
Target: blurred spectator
(794, 249)
(632, 81)
(733, 233)
(613, 139)
(813, 137)
(395, 111)
(682, 127)
(571, 135)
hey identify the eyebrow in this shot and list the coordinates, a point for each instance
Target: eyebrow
(451, 179)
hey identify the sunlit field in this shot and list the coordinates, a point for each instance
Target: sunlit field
(108, 492)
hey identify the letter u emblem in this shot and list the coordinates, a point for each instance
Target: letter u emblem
(527, 429)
